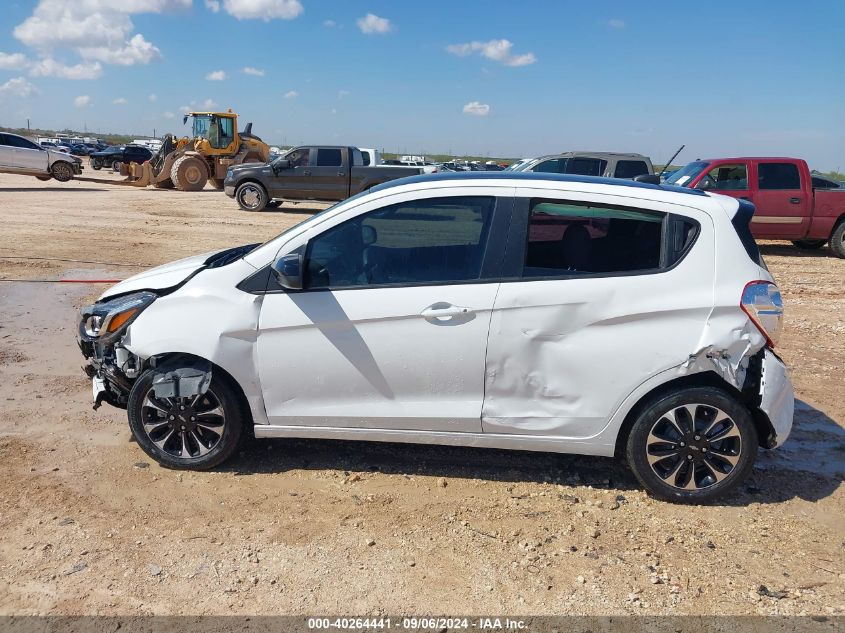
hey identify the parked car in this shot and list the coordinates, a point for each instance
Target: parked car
(608, 164)
(523, 311)
(19, 155)
(79, 149)
(820, 182)
(113, 157)
(325, 173)
(788, 204)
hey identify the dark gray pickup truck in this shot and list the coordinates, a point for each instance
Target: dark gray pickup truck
(324, 173)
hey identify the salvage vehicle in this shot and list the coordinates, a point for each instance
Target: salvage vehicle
(19, 155)
(789, 206)
(609, 164)
(323, 173)
(523, 311)
(118, 155)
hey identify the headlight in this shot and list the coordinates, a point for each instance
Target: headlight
(104, 321)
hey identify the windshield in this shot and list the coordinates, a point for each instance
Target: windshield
(687, 174)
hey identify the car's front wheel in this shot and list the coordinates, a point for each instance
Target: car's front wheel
(190, 433)
(61, 171)
(251, 197)
(692, 445)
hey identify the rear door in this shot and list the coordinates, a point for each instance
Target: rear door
(6, 151)
(597, 296)
(782, 205)
(330, 174)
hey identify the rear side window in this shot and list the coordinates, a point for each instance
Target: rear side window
(329, 158)
(630, 169)
(430, 241)
(571, 238)
(586, 166)
(778, 176)
(365, 157)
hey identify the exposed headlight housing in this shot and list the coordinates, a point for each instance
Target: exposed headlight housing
(105, 321)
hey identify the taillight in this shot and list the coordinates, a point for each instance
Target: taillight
(762, 302)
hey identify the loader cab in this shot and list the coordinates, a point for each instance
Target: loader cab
(218, 129)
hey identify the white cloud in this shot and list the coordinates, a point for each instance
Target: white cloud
(212, 5)
(13, 61)
(97, 29)
(168, 115)
(476, 108)
(208, 104)
(82, 101)
(120, 101)
(193, 106)
(497, 50)
(17, 87)
(256, 72)
(216, 75)
(371, 24)
(136, 51)
(49, 67)
(291, 94)
(343, 93)
(329, 24)
(263, 9)
(152, 98)
(616, 24)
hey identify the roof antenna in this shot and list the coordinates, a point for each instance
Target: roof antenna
(674, 156)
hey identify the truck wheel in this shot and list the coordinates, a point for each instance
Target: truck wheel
(837, 239)
(62, 171)
(189, 174)
(808, 245)
(96, 165)
(217, 183)
(252, 197)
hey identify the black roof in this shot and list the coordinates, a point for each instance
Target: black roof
(541, 176)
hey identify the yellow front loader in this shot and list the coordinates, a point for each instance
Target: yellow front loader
(188, 164)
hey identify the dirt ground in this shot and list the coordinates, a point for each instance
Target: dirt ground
(91, 525)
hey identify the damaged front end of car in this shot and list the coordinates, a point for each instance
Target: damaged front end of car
(102, 329)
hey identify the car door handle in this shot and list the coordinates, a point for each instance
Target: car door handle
(795, 201)
(306, 173)
(442, 310)
(341, 173)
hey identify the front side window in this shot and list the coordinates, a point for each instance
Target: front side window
(778, 176)
(630, 169)
(17, 141)
(329, 157)
(725, 178)
(299, 157)
(431, 241)
(553, 166)
(570, 238)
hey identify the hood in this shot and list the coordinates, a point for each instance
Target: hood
(170, 276)
(234, 169)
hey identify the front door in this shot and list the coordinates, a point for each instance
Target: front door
(295, 182)
(390, 330)
(599, 298)
(27, 155)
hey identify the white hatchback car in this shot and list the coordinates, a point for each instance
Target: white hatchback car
(525, 311)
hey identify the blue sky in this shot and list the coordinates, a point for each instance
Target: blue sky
(723, 78)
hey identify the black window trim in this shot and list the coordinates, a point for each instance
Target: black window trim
(516, 250)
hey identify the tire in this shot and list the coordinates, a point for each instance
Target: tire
(115, 164)
(837, 239)
(251, 196)
(719, 464)
(162, 439)
(217, 183)
(809, 245)
(62, 171)
(95, 164)
(189, 173)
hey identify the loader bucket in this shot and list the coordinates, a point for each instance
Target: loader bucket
(137, 175)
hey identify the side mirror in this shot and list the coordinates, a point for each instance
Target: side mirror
(288, 271)
(281, 164)
(651, 179)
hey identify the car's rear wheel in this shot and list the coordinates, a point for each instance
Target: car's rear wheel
(692, 445)
(193, 433)
(837, 240)
(251, 196)
(62, 171)
(96, 165)
(809, 245)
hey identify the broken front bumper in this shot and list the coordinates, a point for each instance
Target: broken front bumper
(777, 396)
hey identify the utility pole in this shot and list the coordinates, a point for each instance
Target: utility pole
(27, 125)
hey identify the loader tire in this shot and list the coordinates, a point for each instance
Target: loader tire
(189, 174)
(217, 183)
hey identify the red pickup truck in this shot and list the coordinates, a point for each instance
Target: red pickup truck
(788, 204)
